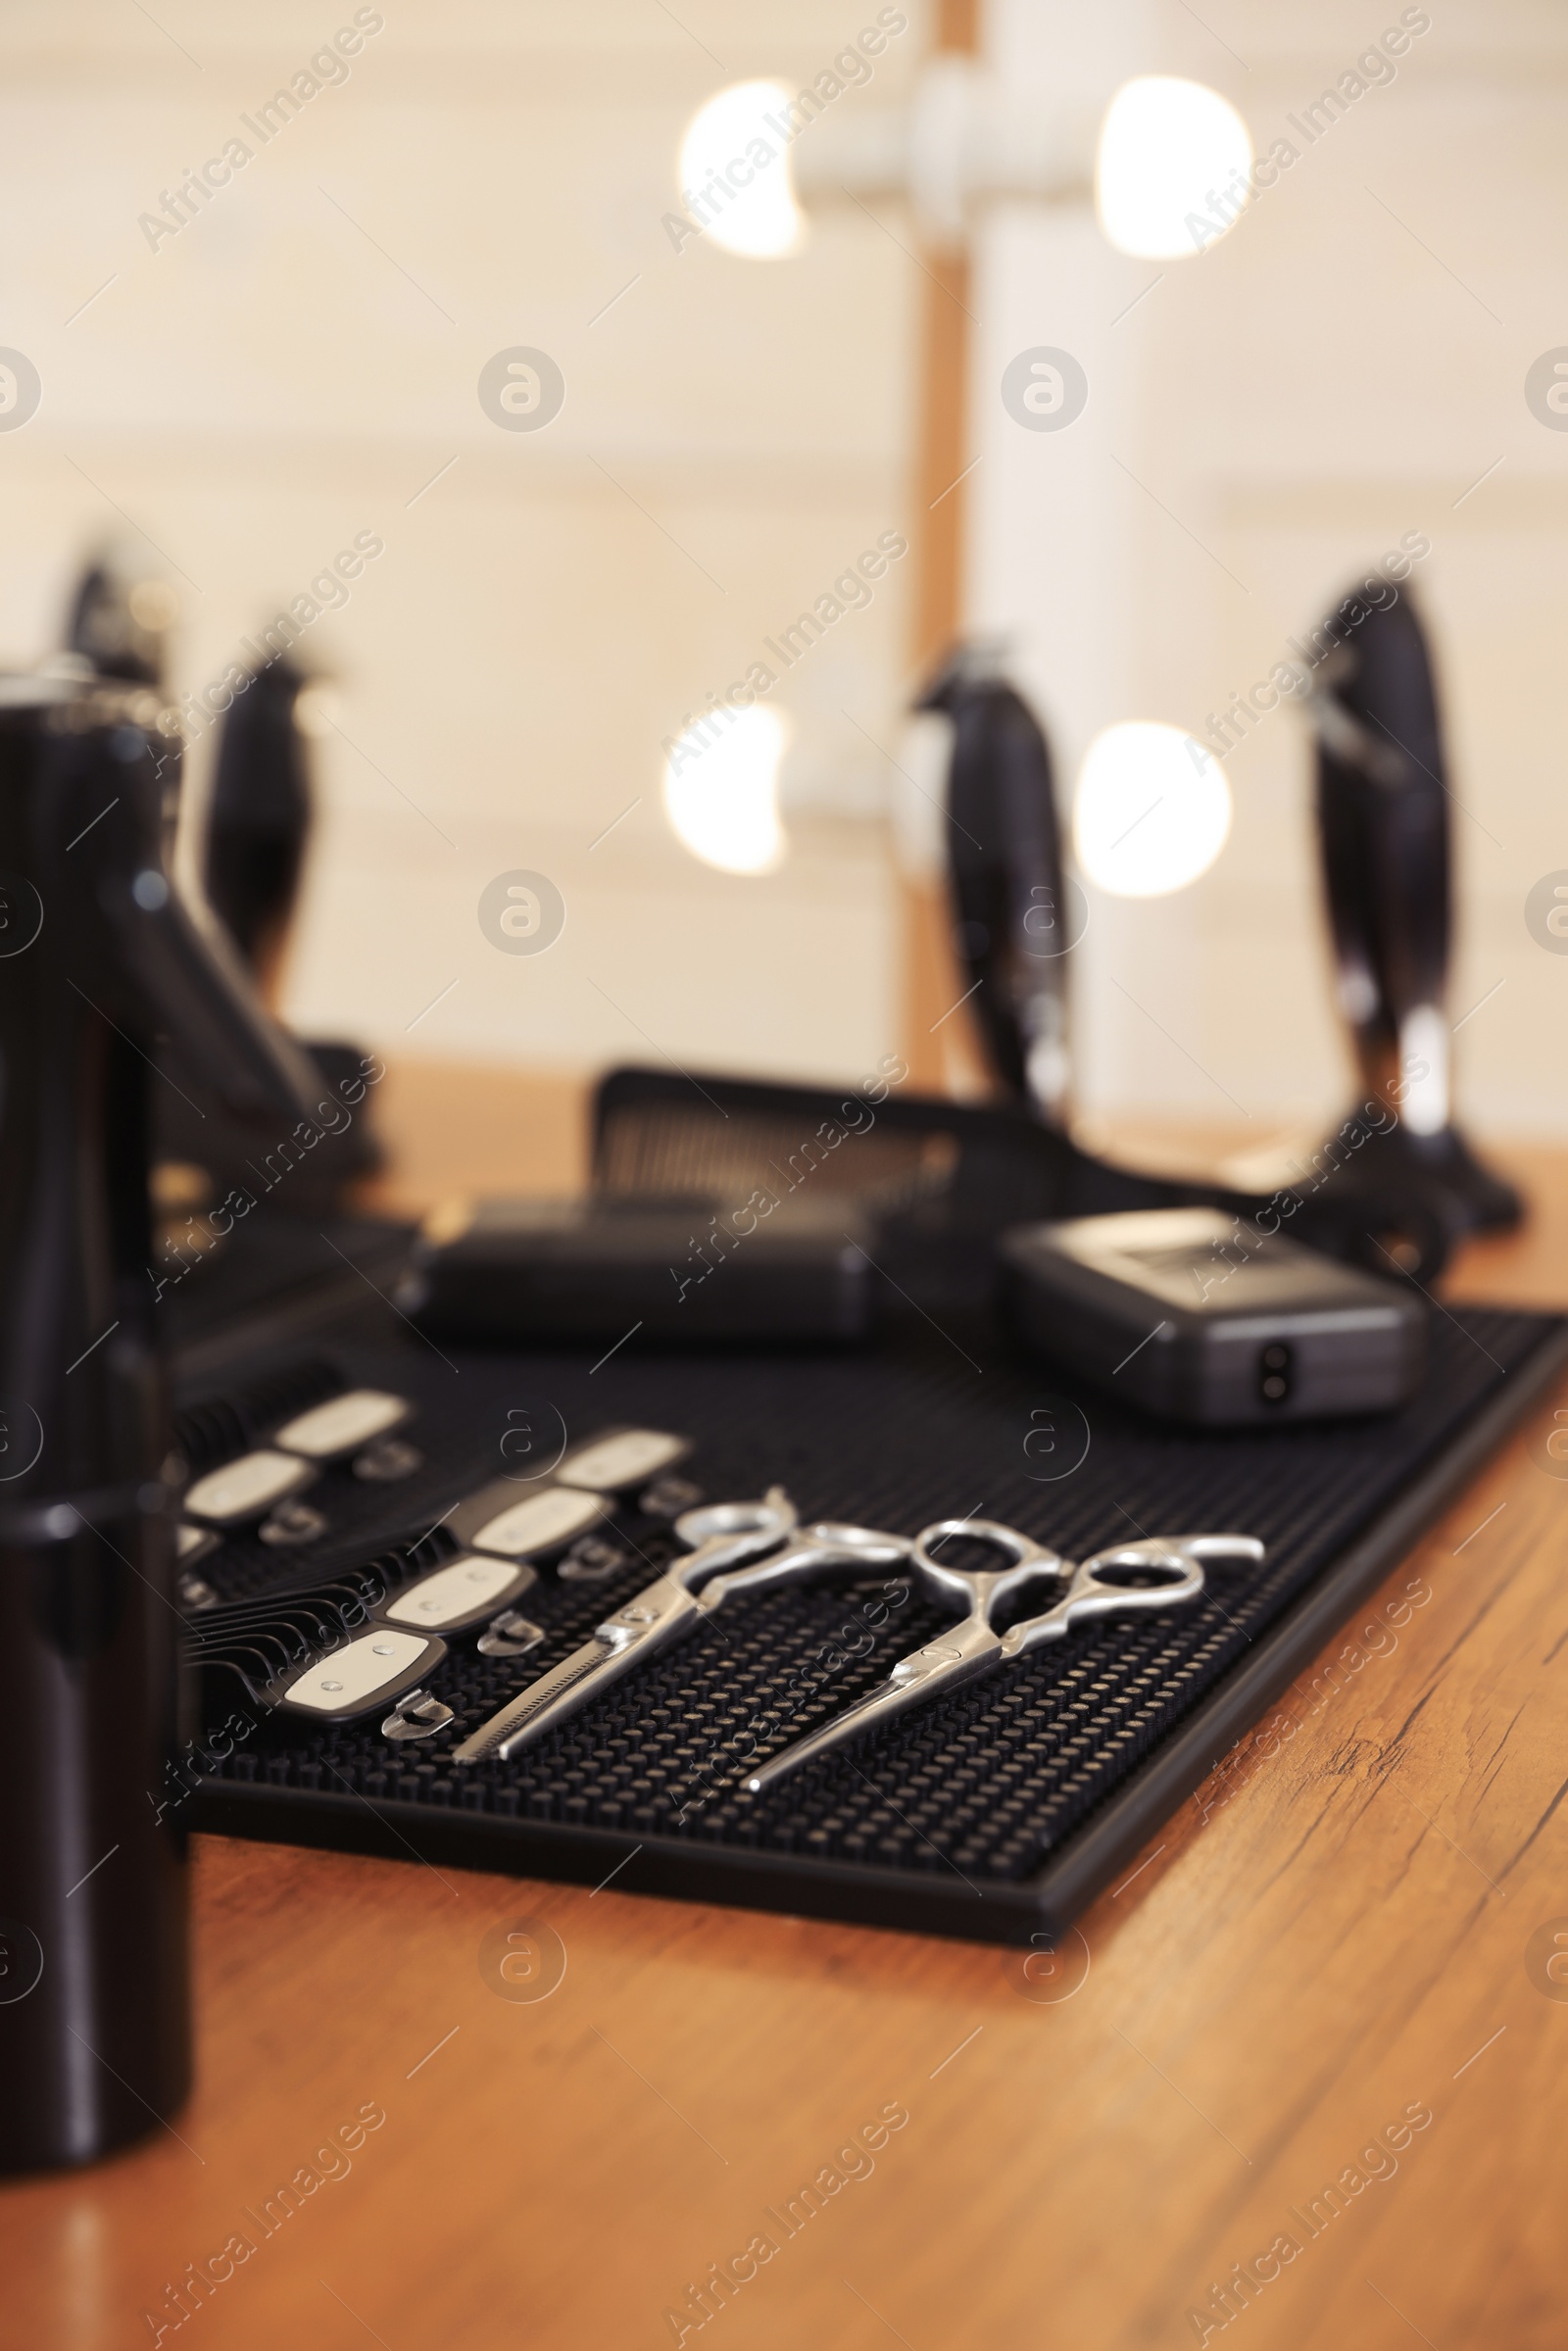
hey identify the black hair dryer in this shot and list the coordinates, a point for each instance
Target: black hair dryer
(99, 961)
(1384, 824)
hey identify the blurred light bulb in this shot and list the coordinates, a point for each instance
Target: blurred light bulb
(1171, 175)
(735, 173)
(722, 791)
(1154, 810)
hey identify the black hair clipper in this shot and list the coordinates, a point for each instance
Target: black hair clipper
(100, 962)
(258, 816)
(1013, 924)
(1384, 825)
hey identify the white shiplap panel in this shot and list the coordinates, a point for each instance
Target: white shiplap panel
(280, 375)
(1326, 378)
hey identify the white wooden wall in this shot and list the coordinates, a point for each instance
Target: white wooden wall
(302, 358)
(1266, 421)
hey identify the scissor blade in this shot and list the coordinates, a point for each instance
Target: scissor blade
(955, 1657)
(523, 1715)
(648, 1621)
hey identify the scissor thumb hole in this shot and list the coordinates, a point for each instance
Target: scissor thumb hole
(775, 1513)
(964, 1548)
(1147, 1575)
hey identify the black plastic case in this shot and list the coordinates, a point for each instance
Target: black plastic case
(1199, 1318)
(678, 1271)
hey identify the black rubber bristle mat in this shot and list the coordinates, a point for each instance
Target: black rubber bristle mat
(970, 1816)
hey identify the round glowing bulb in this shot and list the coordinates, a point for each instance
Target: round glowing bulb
(722, 791)
(1154, 810)
(1172, 170)
(735, 173)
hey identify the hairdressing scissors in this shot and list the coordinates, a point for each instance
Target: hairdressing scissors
(735, 1547)
(1172, 1565)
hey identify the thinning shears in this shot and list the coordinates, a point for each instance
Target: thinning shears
(1170, 1566)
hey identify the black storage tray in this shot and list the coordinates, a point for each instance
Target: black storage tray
(993, 1814)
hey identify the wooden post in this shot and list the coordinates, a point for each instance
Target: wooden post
(945, 1057)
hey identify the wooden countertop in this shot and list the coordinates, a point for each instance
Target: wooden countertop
(1329, 1971)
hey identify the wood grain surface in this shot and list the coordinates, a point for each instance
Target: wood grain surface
(1313, 2032)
